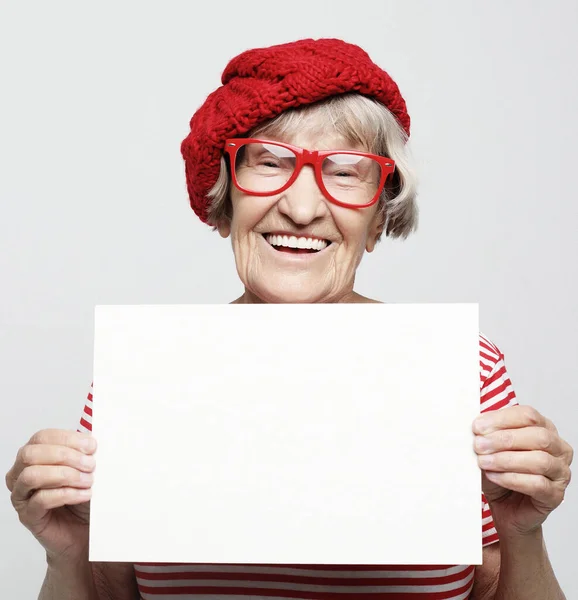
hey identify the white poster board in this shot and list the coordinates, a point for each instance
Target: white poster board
(314, 434)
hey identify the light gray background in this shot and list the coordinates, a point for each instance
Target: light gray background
(96, 99)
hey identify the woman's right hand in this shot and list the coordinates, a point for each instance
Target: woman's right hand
(51, 482)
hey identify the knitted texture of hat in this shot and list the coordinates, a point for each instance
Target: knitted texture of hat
(259, 84)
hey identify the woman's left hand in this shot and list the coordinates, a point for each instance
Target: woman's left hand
(525, 464)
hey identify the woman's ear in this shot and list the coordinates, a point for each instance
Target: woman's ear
(375, 230)
(224, 228)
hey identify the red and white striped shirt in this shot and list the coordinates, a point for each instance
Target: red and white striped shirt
(325, 582)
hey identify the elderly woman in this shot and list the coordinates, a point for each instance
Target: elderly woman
(300, 158)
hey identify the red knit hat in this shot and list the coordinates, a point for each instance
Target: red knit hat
(261, 83)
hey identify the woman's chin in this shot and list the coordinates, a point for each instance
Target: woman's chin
(287, 291)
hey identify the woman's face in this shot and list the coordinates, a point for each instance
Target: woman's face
(277, 274)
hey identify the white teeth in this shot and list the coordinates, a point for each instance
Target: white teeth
(296, 242)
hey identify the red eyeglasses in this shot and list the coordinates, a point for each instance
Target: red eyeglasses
(347, 178)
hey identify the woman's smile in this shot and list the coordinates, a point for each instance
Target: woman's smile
(295, 248)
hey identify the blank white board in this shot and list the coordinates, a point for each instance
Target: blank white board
(312, 434)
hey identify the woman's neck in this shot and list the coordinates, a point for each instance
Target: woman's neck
(349, 298)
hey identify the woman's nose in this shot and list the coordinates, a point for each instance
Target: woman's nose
(303, 202)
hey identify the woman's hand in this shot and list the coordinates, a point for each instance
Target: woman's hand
(51, 482)
(526, 467)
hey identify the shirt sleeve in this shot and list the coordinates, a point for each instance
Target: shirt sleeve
(85, 424)
(496, 392)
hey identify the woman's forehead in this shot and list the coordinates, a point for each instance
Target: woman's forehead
(314, 140)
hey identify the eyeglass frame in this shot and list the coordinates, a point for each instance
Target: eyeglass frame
(308, 157)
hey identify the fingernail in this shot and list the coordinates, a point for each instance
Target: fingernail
(87, 461)
(88, 444)
(485, 461)
(86, 477)
(482, 443)
(482, 425)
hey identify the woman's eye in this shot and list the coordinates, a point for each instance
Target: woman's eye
(343, 174)
(267, 161)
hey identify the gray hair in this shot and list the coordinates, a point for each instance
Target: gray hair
(360, 120)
